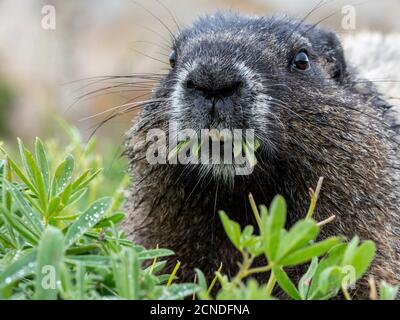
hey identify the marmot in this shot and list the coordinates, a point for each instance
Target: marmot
(314, 116)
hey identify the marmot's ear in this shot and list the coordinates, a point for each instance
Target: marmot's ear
(333, 52)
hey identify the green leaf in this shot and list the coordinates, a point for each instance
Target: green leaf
(246, 237)
(20, 226)
(232, 229)
(163, 278)
(388, 292)
(350, 251)
(67, 289)
(3, 192)
(85, 249)
(22, 153)
(19, 269)
(154, 253)
(65, 195)
(38, 175)
(87, 220)
(43, 163)
(305, 281)
(363, 257)
(2, 166)
(201, 280)
(126, 270)
(157, 267)
(255, 246)
(25, 208)
(6, 241)
(76, 197)
(80, 282)
(7, 175)
(247, 232)
(305, 254)
(298, 236)
(114, 219)
(285, 283)
(95, 261)
(330, 281)
(2, 175)
(178, 291)
(22, 176)
(63, 175)
(333, 258)
(52, 209)
(272, 226)
(49, 259)
(85, 179)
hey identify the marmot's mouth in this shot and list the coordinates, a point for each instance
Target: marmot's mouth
(216, 149)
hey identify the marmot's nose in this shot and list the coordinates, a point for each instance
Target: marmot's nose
(214, 92)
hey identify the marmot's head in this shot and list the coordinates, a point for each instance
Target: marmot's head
(275, 75)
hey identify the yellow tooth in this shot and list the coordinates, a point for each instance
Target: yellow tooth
(225, 135)
(214, 135)
(237, 148)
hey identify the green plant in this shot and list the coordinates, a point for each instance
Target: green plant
(334, 265)
(60, 239)
(51, 248)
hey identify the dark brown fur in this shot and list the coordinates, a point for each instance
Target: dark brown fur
(350, 140)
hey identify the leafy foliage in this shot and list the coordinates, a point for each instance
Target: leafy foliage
(334, 264)
(60, 239)
(51, 248)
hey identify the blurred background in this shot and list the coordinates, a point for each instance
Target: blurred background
(45, 74)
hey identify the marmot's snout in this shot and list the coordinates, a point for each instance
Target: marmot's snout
(214, 89)
(212, 93)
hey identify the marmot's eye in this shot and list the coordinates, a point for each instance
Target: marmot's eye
(172, 59)
(301, 61)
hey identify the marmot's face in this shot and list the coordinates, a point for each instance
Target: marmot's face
(265, 74)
